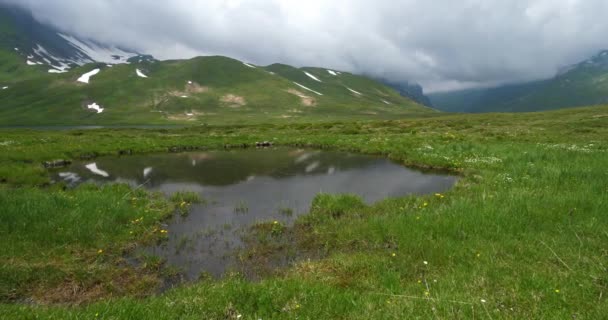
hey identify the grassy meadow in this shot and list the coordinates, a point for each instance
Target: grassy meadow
(213, 90)
(523, 235)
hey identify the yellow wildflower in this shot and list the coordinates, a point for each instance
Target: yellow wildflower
(100, 251)
(394, 255)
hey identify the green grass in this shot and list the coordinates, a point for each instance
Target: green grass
(184, 199)
(67, 245)
(524, 229)
(36, 98)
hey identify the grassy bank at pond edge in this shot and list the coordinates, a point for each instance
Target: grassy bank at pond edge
(522, 235)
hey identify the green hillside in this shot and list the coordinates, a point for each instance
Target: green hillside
(482, 100)
(583, 84)
(200, 90)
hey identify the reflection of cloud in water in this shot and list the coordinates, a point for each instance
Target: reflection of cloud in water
(200, 156)
(93, 168)
(311, 167)
(295, 153)
(305, 157)
(252, 178)
(147, 171)
(70, 177)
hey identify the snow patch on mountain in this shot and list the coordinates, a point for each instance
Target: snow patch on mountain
(140, 74)
(85, 78)
(51, 60)
(306, 88)
(333, 73)
(56, 71)
(96, 107)
(4, 88)
(249, 65)
(92, 52)
(355, 92)
(31, 63)
(312, 76)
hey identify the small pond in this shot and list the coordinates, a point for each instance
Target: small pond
(244, 187)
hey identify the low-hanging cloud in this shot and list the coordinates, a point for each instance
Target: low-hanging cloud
(441, 44)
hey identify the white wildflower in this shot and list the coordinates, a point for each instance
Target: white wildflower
(484, 160)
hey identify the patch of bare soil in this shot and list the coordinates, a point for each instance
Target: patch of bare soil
(188, 116)
(306, 100)
(233, 101)
(193, 87)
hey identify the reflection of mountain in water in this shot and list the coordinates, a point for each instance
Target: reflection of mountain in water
(266, 182)
(218, 168)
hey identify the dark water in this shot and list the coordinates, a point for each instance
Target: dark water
(245, 187)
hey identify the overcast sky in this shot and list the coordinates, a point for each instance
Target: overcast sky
(442, 44)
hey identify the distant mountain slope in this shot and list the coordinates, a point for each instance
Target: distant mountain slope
(50, 78)
(204, 89)
(483, 100)
(410, 90)
(44, 45)
(583, 84)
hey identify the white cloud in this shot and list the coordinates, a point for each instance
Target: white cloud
(441, 44)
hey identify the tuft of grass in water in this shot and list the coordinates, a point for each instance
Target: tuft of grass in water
(286, 211)
(183, 241)
(241, 207)
(277, 228)
(184, 199)
(327, 206)
(186, 196)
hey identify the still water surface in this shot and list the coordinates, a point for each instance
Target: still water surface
(244, 187)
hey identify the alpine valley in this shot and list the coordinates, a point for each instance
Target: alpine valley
(49, 77)
(133, 187)
(582, 84)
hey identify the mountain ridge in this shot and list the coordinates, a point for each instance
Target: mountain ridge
(581, 84)
(85, 83)
(43, 44)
